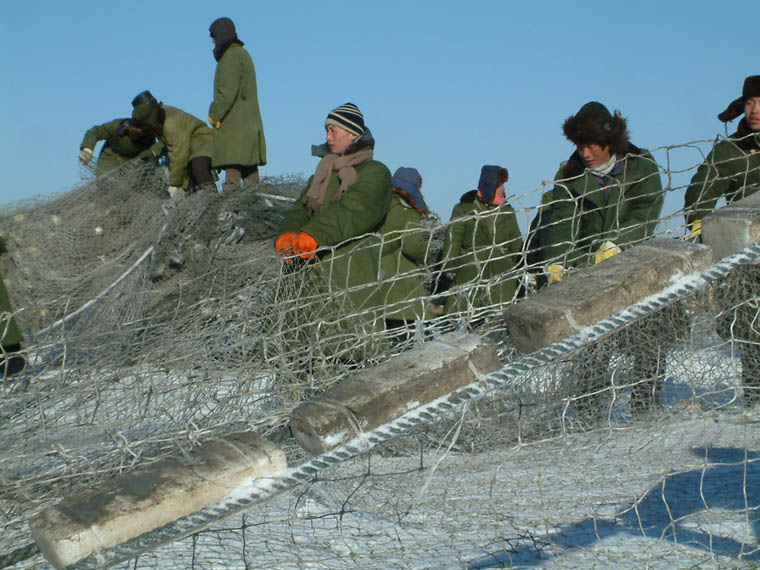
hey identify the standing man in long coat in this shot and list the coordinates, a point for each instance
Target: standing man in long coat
(239, 145)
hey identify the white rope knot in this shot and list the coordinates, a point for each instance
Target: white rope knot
(478, 375)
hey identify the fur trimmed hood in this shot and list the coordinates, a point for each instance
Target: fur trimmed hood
(468, 197)
(751, 88)
(745, 141)
(407, 183)
(594, 124)
(491, 177)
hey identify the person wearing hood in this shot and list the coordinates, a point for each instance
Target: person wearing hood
(732, 170)
(606, 197)
(239, 146)
(188, 142)
(331, 225)
(118, 148)
(405, 245)
(482, 246)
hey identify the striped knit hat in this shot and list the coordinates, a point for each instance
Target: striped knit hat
(348, 117)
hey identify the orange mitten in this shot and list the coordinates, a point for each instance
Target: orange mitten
(285, 245)
(304, 245)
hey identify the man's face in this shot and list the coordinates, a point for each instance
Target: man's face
(752, 113)
(499, 195)
(338, 140)
(594, 155)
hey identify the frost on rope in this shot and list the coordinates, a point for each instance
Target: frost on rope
(212, 333)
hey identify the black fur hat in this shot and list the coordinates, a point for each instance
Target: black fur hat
(144, 97)
(593, 124)
(736, 107)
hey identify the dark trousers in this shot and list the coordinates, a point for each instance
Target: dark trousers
(237, 175)
(200, 172)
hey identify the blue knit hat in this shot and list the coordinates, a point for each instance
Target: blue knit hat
(406, 182)
(491, 177)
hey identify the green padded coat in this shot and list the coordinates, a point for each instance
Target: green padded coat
(624, 208)
(482, 245)
(240, 138)
(402, 250)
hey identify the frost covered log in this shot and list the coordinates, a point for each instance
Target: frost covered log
(151, 497)
(595, 293)
(734, 227)
(381, 394)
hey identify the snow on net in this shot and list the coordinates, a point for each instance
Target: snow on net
(152, 326)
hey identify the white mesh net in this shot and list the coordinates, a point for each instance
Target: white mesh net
(153, 326)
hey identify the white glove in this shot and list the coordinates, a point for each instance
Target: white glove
(85, 155)
(176, 191)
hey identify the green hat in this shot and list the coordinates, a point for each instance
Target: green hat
(148, 115)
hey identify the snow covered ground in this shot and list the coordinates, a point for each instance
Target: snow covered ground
(681, 494)
(678, 489)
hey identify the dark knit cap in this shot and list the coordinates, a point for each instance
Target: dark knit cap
(348, 117)
(594, 124)
(223, 30)
(751, 88)
(406, 183)
(144, 97)
(491, 177)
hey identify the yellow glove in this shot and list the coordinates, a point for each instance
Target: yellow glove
(606, 250)
(213, 123)
(555, 273)
(696, 228)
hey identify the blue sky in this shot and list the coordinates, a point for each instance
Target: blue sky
(445, 86)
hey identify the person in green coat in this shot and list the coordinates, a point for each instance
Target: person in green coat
(239, 145)
(402, 250)
(331, 227)
(732, 170)
(482, 246)
(10, 333)
(119, 147)
(606, 197)
(188, 143)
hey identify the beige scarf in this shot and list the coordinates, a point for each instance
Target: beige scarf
(344, 165)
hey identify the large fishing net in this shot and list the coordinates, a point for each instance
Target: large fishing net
(153, 325)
